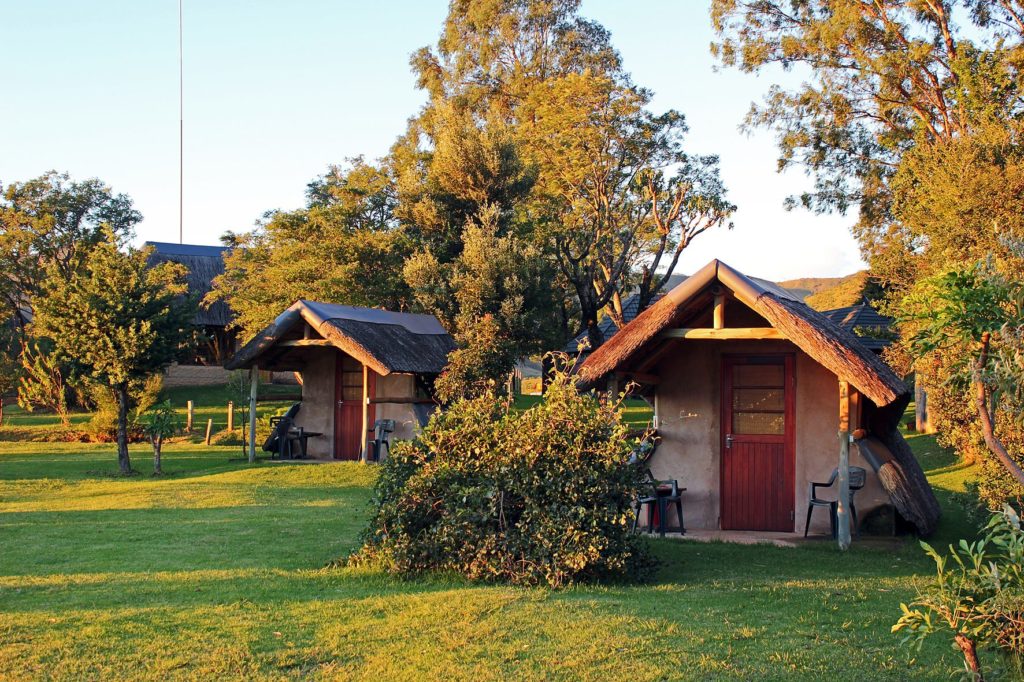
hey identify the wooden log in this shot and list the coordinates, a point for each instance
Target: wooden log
(843, 505)
(719, 315)
(209, 430)
(366, 414)
(752, 333)
(190, 419)
(302, 343)
(231, 415)
(254, 384)
(400, 401)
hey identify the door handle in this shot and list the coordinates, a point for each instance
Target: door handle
(728, 441)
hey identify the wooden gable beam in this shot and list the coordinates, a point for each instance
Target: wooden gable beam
(302, 343)
(757, 333)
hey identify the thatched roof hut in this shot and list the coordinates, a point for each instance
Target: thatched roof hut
(766, 321)
(203, 263)
(385, 341)
(358, 366)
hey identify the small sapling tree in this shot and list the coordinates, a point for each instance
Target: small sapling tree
(116, 322)
(977, 596)
(159, 423)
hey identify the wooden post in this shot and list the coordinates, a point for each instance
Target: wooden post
(191, 416)
(254, 382)
(719, 321)
(843, 505)
(231, 415)
(209, 430)
(366, 414)
(922, 423)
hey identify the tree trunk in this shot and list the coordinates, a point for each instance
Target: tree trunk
(158, 442)
(1, 410)
(995, 445)
(970, 653)
(122, 430)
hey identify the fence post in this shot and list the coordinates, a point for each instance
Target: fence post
(209, 429)
(231, 415)
(191, 416)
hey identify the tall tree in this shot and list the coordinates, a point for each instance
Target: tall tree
(116, 321)
(910, 111)
(343, 246)
(616, 199)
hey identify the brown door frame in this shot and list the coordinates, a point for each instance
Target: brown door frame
(788, 438)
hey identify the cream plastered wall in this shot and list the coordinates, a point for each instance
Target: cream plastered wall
(398, 386)
(688, 399)
(317, 413)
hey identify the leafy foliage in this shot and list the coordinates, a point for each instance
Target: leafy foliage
(977, 595)
(968, 328)
(159, 423)
(42, 383)
(52, 222)
(541, 496)
(340, 248)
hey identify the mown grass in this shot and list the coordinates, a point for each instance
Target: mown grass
(219, 571)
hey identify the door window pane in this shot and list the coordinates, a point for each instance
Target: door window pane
(758, 375)
(758, 423)
(758, 399)
(351, 385)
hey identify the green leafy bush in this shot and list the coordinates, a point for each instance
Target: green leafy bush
(977, 596)
(541, 496)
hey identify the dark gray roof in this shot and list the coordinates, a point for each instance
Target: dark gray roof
(870, 326)
(203, 263)
(384, 340)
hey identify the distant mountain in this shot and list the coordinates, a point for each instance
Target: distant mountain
(808, 286)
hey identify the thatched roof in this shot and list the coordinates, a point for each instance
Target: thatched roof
(829, 344)
(203, 263)
(385, 341)
(825, 341)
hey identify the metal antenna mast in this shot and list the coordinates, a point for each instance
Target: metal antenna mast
(181, 134)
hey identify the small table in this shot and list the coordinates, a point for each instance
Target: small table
(296, 434)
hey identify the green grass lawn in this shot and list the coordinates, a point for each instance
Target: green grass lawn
(218, 571)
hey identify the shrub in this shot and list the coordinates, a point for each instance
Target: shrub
(977, 595)
(159, 422)
(541, 496)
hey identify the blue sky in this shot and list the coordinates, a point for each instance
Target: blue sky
(276, 91)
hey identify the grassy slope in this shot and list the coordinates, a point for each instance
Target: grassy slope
(218, 571)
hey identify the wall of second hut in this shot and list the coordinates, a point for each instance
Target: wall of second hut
(689, 395)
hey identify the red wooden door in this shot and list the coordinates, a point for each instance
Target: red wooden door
(758, 439)
(348, 400)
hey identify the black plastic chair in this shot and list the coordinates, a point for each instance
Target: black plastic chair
(381, 443)
(662, 494)
(857, 478)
